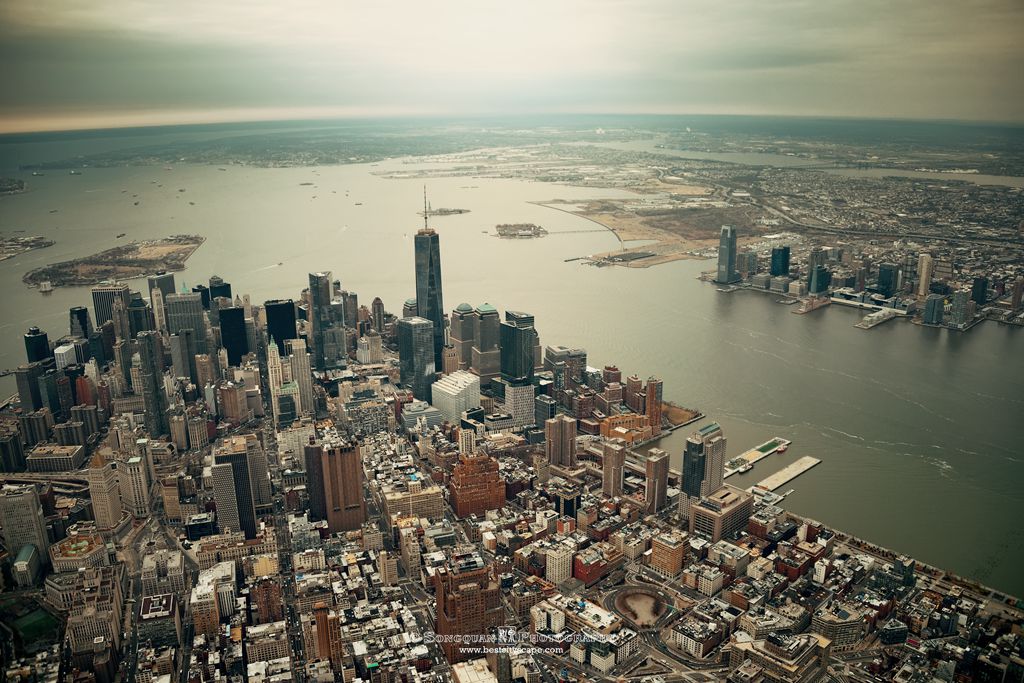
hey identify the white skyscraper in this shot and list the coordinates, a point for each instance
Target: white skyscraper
(21, 516)
(224, 495)
(455, 393)
(302, 374)
(558, 567)
(65, 355)
(925, 267)
(157, 301)
(519, 403)
(105, 494)
(275, 376)
(134, 484)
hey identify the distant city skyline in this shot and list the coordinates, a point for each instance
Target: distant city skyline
(126, 63)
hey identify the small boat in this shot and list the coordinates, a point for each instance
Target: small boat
(782, 448)
(73, 172)
(359, 203)
(746, 467)
(38, 173)
(123, 233)
(53, 210)
(280, 263)
(45, 287)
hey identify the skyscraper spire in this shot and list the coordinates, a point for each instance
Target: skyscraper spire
(426, 212)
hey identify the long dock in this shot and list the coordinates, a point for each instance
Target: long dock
(788, 473)
(754, 454)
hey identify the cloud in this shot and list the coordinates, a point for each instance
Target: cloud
(914, 58)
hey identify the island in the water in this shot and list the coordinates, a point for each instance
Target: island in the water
(520, 230)
(13, 246)
(444, 212)
(124, 262)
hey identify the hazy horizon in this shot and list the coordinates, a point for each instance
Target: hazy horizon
(82, 64)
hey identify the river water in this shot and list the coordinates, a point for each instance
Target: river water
(918, 429)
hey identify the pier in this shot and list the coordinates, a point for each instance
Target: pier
(787, 474)
(745, 461)
(877, 318)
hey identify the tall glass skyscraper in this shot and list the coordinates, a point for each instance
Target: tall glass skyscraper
(518, 339)
(319, 314)
(233, 334)
(185, 312)
(155, 400)
(727, 256)
(103, 297)
(780, 261)
(416, 355)
(280, 321)
(428, 287)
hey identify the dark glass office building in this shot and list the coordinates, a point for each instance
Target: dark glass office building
(416, 355)
(727, 256)
(280, 321)
(37, 345)
(518, 338)
(233, 336)
(429, 303)
(780, 261)
(239, 461)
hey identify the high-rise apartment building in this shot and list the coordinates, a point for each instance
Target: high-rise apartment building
(656, 470)
(344, 500)
(613, 461)
(888, 279)
(653, 404)
(934, 307)
(560, 441)
(960, 313)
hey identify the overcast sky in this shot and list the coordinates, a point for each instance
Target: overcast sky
(90, 63)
